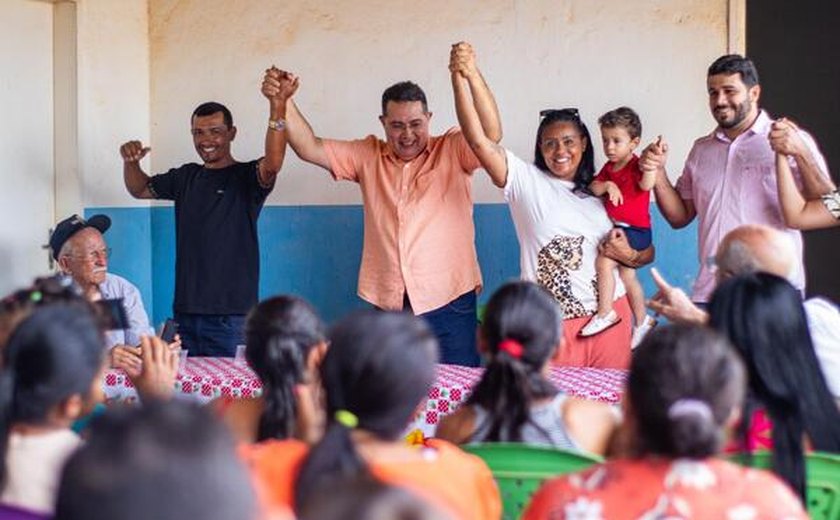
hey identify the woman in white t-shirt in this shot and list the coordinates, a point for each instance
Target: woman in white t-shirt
(558, 223)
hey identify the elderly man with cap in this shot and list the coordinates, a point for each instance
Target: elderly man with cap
(80, 250)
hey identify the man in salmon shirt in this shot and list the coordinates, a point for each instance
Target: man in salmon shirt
(419, 242)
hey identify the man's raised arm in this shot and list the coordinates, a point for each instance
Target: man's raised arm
(302, 139)
(278, 88)
(676, 210)
(136, 180)
(786, 138)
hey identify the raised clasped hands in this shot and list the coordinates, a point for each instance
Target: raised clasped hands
(462, 60)
(785, 138)
(279, 85)
(654, 156)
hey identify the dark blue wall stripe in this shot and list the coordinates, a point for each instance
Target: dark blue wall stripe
(314, 252)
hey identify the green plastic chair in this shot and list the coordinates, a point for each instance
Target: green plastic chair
(822, 489)
(519, 470)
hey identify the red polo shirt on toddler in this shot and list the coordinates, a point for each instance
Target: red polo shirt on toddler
(635, 210)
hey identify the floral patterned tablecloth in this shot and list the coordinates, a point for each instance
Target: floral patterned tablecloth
(454, 383)
(205, 379)
(202, 379)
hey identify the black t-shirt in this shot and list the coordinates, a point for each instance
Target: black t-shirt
(217, 257)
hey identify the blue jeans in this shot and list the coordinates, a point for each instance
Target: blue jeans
(211, 335)
(454, 324)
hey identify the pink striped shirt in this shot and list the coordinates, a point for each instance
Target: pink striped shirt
(732, 182)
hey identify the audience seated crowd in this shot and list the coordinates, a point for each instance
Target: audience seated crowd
(514, 402)
(285, 343)
(162, 461)
(52, 371)
(686, 384)
(747, 366)
(787, 397)
(371, 396)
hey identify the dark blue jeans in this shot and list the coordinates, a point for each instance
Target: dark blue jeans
(211, 335)
(454, 324)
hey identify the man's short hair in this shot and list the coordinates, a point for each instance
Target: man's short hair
(210, 108)
(402, 92)
(162, 461)
(623, 117)
(735, 64)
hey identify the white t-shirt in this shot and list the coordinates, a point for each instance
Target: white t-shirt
(33, 465)
(824, 325)
(559, 231)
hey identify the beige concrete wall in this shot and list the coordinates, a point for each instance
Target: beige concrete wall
(595, 55)
(113, 93)
(26, 140)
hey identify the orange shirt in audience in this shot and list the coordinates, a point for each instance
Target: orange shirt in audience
(446, 476)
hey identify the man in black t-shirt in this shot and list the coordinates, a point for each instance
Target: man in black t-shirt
(217, 204)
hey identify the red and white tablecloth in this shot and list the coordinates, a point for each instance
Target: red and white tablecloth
(202, 379)
(205, 379)
(454, 383)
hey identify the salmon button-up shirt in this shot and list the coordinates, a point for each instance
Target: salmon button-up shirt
(419, 232)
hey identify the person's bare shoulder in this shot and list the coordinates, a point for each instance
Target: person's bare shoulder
(242, 416)
(590, 423)
(458, 426)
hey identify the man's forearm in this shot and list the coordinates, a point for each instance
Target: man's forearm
(136, 180)
(275, 143)
(302, 138)
(670, 203)
(633, 258)
(815, 182)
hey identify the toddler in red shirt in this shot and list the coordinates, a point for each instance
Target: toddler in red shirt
(627, 189)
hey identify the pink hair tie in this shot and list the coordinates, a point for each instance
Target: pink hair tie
(512, 347)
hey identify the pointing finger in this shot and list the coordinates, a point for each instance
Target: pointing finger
(663, 285)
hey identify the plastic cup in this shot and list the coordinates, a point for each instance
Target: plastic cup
(182, 359)
(239, 359)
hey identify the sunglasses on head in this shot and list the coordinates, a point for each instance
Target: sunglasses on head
(560, 112)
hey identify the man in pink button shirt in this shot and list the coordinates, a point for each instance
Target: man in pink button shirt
(729, 176)
(419, 241)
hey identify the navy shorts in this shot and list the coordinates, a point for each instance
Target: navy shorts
(639, 238)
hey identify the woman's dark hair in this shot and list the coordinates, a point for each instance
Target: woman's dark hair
(526, 315)
(279, 334)
(379, 367)
(685, 381)
(365, 498)
(586, 169)
(763, 316)
(52, 355)
(163, 461)
(47, 290)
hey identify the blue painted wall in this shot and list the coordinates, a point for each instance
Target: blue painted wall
(315, 251)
